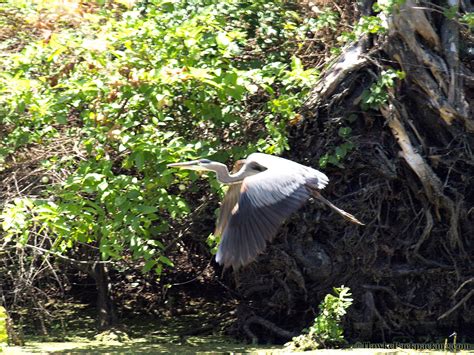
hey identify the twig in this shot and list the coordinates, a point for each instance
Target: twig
(75, 261)
(462, 286)
(457, 305)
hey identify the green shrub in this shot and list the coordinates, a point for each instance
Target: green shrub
(377, 94)
(326, 329)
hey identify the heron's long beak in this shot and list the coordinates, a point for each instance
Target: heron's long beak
(189, 165)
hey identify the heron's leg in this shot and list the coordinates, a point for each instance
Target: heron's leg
(343, 213)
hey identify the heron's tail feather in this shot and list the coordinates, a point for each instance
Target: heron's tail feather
(343, 213)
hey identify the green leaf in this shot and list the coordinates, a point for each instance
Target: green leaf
(103, 186)
(340, 152)
(451, 12)
(296, 63)
(333, 160)
(119, 200)
(139, 160)
(147, 209)
(344, 132)
(94, 177)
(166, 261)
(149, 264)
(468, 19)
(61, 119)
(159, 269)
(323, 161)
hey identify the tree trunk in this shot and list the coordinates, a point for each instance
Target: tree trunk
(410, 179)
(105, 306)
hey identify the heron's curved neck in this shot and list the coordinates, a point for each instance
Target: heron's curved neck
(224, 177)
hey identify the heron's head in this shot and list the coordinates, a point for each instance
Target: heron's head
(201, 165)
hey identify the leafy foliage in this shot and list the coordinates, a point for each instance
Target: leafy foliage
(366, 25)
(468, 19)
(387, 6)
(341, 151)
(326, 329)
(451, 12)
(377, 94)
(327, 18)
(3, 327)
(138, 88)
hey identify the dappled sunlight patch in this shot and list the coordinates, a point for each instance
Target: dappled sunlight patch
(98, 44)
(127, 3)
(50, 14)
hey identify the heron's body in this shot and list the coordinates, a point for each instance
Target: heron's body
(262, 194)
(281, 166)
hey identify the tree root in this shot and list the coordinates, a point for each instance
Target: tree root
(410, 177)
(457, 305)
(351, 60)
(438, 77)
(430, 181)
(267, 325)
(428, 178)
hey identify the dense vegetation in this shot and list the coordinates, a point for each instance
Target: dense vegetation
(97, 97)
(124, 93)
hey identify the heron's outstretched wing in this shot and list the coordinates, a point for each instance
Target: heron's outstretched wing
(230, 200)
(265, 201)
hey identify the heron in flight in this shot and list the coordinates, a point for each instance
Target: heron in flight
(264, 191)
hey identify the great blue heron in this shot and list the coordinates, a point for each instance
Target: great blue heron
(264, 191)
